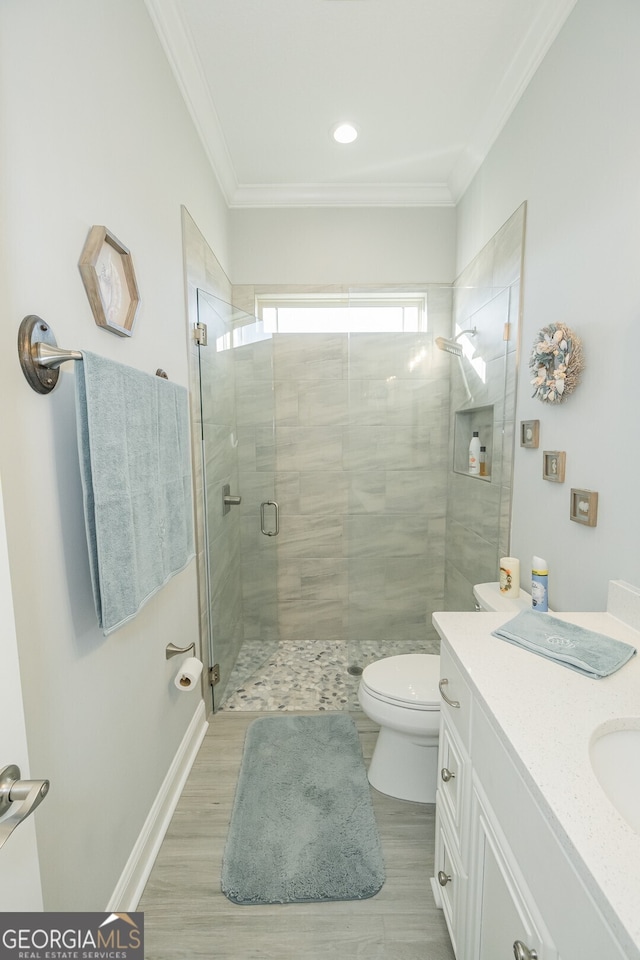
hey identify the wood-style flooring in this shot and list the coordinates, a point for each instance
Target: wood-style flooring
(187, 915)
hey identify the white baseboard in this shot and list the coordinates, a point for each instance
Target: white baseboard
(126, 896)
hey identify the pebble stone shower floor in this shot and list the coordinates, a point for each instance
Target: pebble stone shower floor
(301, 675)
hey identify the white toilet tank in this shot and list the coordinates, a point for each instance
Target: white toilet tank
(489, 598)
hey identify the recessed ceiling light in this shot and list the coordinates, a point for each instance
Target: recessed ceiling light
(344, 133)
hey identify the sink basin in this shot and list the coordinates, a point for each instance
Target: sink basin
(615, 758)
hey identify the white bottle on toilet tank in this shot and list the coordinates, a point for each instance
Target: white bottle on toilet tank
(539, 585)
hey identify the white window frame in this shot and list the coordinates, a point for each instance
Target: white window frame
(415, 300)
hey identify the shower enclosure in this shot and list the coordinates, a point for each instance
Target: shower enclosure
(339, 511)
(337, 444)
(357, 438)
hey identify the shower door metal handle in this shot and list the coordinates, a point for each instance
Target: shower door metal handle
(270, 503)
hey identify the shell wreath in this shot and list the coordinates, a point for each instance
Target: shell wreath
(556, 363)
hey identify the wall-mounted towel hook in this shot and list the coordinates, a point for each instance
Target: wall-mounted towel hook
(40, 355)
(172, 651)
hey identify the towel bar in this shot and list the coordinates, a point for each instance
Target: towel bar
(40, 356)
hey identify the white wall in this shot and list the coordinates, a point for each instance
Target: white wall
(94, 132)
(572, 151)
(343, 245)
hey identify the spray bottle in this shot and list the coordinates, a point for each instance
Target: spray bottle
(539, 585)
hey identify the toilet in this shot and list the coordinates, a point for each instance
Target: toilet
(401, 695)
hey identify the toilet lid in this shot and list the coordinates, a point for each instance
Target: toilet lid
(410, 678)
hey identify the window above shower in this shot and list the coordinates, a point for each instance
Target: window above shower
(399, 313)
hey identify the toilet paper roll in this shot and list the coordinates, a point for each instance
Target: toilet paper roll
(510, 577)
(188, 674)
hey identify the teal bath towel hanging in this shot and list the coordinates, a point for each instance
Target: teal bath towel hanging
(133, 440)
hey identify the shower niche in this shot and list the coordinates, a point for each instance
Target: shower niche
(467, 421)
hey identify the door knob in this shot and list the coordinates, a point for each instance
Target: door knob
(443, 878)
(18, 799)
(521, 952)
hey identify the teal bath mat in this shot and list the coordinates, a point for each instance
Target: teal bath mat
(302, 827)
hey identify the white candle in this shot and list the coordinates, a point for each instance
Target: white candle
(510, 577)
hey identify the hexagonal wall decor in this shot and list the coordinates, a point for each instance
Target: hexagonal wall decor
(107, 273)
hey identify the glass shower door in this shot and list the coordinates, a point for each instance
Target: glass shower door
(237, 422)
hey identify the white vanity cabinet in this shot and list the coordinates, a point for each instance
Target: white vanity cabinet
(507, 886)
(555, 915)
(502, 917)
(452, 803)
(489, 911)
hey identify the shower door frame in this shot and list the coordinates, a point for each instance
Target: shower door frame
(228, 444)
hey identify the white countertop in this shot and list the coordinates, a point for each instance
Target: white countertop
(552, 753)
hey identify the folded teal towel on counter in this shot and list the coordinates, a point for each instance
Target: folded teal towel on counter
(133, 441)
(592, 654)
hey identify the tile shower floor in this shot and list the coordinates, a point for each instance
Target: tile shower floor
(302, 675)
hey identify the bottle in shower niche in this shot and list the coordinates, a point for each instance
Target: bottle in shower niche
(474, 455)
(539, 585)
(483, 462)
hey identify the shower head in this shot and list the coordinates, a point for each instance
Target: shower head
(452, 346)
(449, 346)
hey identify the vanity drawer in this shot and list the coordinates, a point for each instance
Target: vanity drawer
(449, 882)
(455, 696)
(453, 764)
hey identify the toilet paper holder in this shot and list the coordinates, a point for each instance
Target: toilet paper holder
(172, 650)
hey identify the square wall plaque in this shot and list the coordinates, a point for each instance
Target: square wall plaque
(584, 507)
(529, 433)
(553, 465)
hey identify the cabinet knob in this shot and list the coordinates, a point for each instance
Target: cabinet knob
(447, 775)
(521, 952)
(443, 880)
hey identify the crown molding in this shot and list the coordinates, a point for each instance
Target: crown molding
(342, 195)
(516, 79)
(183, 58)
(185, 63)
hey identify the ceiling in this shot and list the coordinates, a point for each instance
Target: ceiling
(428, 83)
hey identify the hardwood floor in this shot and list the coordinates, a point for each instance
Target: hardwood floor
(187, 915)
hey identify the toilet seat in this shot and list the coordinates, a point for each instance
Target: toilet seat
(409, 680)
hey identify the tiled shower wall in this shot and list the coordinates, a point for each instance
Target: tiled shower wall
(357, 454)
(487, 297)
